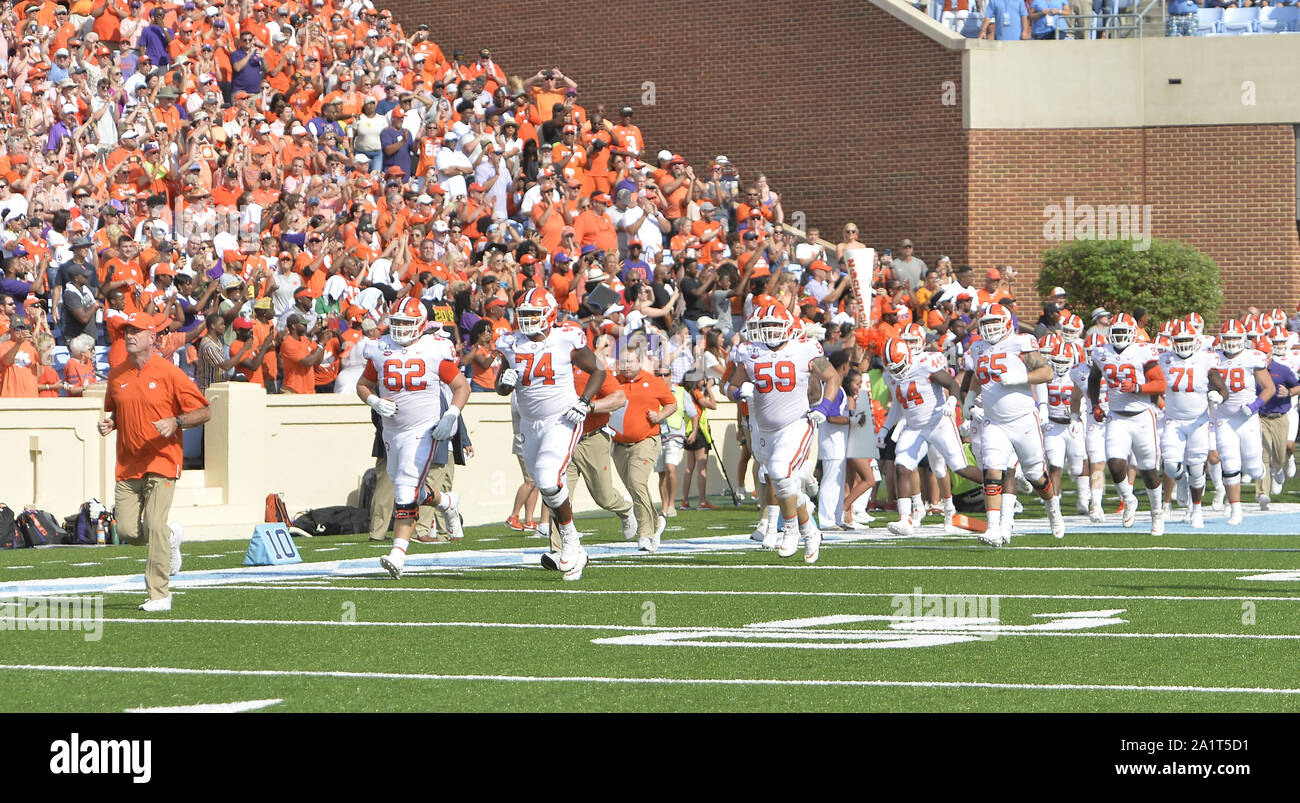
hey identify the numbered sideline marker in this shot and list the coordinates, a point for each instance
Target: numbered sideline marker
(271, 545)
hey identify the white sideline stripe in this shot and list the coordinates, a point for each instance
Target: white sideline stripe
(714, 593)
(921, 684)
(819, 567)
(1002, 633)
(965, 547)
(207, 708)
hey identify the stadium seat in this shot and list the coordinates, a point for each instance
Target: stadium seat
(971, 28)
(1208, 21)
(61, 356)
(1240, 21)
(1278, 19)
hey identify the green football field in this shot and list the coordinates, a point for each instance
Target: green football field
(1106, 620)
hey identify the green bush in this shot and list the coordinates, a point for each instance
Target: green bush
(1169, 279)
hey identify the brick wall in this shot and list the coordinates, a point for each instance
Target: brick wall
(846, 111)
(1227, 190)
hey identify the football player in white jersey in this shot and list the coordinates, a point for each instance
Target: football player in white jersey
(537, 361)
(1094, 429)
(1063, 440)
(1213, 467)
(1006, 365)
(1185, 441)
(405, 372)
(1245, 372)
(913, 381)
(1132, 378)
(773, 374)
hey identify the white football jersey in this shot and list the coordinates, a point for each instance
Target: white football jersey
(780, 380)
(1080, 374)
(545, 369)
(1239, 375)
(996, 363)
(1117, 366)
(1186, 383)
(412, 376)
(915, 392)
(1060, 391)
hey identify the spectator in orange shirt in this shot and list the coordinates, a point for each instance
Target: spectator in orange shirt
(636, 443)
(594, 226)
(994, 290)
(302, 354)
(20, 364)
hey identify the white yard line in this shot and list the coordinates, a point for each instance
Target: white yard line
(389, 589)
(652, 681)
(639, 628)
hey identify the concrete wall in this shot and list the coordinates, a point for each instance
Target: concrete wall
(312, 449)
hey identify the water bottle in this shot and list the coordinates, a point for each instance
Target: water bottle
(100, 531)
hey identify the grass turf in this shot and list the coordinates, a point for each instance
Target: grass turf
(519, 639)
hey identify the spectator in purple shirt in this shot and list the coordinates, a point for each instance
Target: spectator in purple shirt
(1273, 424)
(63, 128)
(155, 38)
(246, 66)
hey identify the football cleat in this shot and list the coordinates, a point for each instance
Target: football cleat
(1130, 511)
(1054, 517)
(1198, 518)
(991, 538)
(451, 509)
(1235, 514)
(789, 543)
(551, 560)
(1220, 494)
(1158, 522)
(900, 528)
(1095, 513)
(1263, 501)
(393, 563)
(812, 545)
(573, 567)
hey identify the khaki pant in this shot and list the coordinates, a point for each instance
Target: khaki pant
(383, 503)
(635, 463)
(1274, 436)
(142, 507)
(591, 460)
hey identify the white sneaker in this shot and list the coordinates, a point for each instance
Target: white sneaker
(177, 535)
(451, 509)
(573, 569)
(1290, 467)
(157, 605)
(1187, 515)
(1236, 516)
(394, 562)
(771, 536)
(812, 545)
(1263, 501)
(918, 514)
(1019, 507)
(1130, 511)
(629, 526)
(900, 528)
(759, 533)
(789, 541)
(660, 527)
(1095, 514)
(1022, 484)
(551, 560)
(1279, 478)
(1158, 522)
(1198, 518)
(1055, 519)
(1182, 492)
(1220, 494)
(644, 543)
(948, 527)
(863, 520)
(1167, 511)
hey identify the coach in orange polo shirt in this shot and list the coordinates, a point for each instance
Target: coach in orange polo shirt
(636, 444)
(149, 401)
(301, 355)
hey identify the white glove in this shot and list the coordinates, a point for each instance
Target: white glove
(747, 392)
(964, 428)
(814, 331)
(976, 411)
(817, 417)
(446, 426)
(1215, 397)
(1043, 412)
(950, 406)
(1075, 427)
(509, 378)
(385, 407)
(881, 435)
(576, 414)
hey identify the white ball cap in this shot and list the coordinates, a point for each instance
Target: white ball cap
(665, 155)
(69, 108)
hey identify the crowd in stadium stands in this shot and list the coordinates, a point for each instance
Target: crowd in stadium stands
(267, 179)
(1011, 20)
